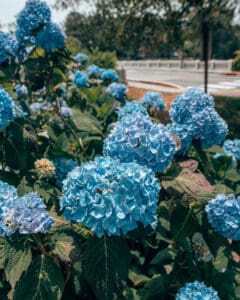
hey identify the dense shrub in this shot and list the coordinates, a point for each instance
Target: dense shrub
(155, 217)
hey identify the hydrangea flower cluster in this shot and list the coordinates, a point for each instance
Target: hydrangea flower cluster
(109, 196)
(21, 91)
(66, 112)
(80, 79)
(44, 167)
(94, 71)
(184, 133)
(62, 167)
(232, 148)
(109, 75)
(136, 138)
(51, 37)
(130, 108)
(117, 90)
(7, 192)
(195, 291)
(81, 58)
(34, 15)
(195, 110)
(26, 214)
(8, 46)
(153, 100)
(6, 109)
(224, 215)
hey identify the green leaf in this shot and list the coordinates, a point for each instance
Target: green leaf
(106, 266)
(183, 222)
(86, 122)
(2, 253)
(43, 281)
(187, 183)
(18, 259)
(164, 224)
(64, 247)
(36, 52)
(136, 277)
(58, 76)
(232, 175)
(156, 288)
(220, 262)
(130, 294)
(163, 257)
(23, 188)
(215, 149)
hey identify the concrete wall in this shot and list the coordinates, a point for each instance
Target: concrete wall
(161, 64)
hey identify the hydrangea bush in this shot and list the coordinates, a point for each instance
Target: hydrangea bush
(142, 211)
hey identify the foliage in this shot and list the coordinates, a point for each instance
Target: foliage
(78, 225)
(236, 63)
(150, 29)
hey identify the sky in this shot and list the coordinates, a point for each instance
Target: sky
(10, 8)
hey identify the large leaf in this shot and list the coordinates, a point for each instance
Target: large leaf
(156, 288)
(42, 281)
(18, 257)
(188, 184)
(164, 225)
(65, 247)
(220, 262)
(106, 266)
(86, 122)
(136, 277)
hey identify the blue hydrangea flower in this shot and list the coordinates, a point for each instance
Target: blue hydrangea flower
(117, 90)
(62, 92)
(191, 102)
(7, 192)
(184, 133)
(51, 37)
(80, 79)
(62, 167)
(153, 100)
(34, 16)
(232, 148)
(109, 75)
(136, 138)
(8, 46)
(6, 109)
(19, 112)
(130, 108)
(26, 214)
(224, 215)
(36, 106)
(109, 196)
(197, 291)
(21, 91)
(93, 71)
(66, 112)
(194, 112)
(81, 58)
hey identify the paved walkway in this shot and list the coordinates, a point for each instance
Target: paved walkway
(177, 82)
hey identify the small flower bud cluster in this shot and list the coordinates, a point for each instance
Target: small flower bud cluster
(80, 79)
(62, 167)
(109, 75)
(153, 100)
(117, 90)
(44, 167)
